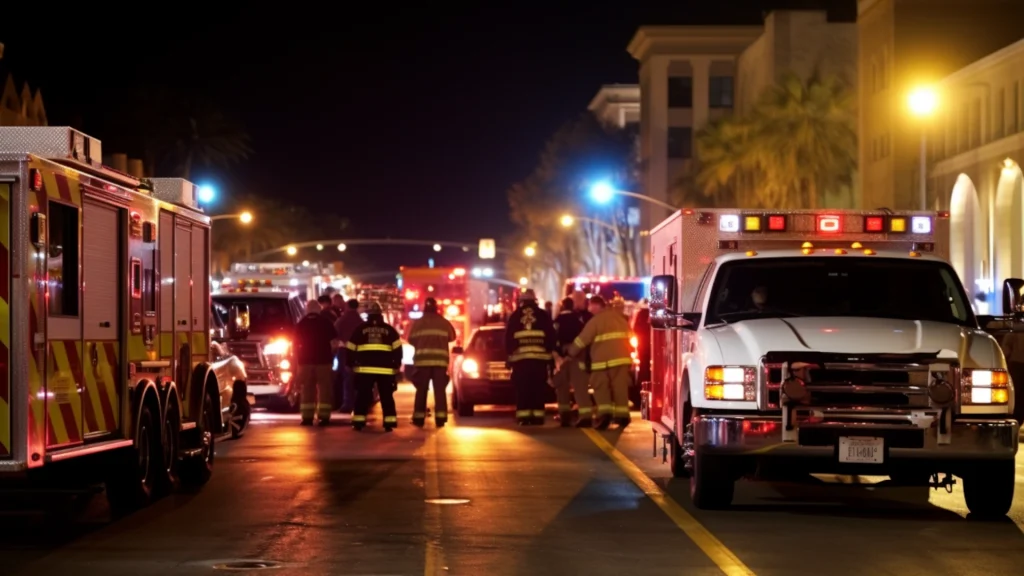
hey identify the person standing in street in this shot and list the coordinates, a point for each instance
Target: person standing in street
(607, 336)
(314, 335)
(374, 352)
(345, 326)
(571, 378)
(529, 342)
(430, 337)
(326, 309)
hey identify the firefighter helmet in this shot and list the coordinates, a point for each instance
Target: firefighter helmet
(430, 304)
(528, 295)
(375, 309)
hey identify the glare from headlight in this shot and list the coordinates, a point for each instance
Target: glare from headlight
(470, 367)
(278, 347)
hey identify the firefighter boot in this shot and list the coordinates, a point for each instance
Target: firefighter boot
(622, 422)
(566, 419)
(603, 422)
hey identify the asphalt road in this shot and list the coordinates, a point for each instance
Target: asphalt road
(483, 497)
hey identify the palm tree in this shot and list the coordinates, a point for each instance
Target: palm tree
(799, 141)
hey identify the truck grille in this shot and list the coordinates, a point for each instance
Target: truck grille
(852, 385)
(249, 352)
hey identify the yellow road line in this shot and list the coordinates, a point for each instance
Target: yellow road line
(711, 546)
(434, 563)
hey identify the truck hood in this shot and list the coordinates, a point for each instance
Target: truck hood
(745, 342)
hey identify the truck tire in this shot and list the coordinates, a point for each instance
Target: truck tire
(988, 488)
(676, 460)
(712, 484)
(240, 412)
(196, 471)
(134, 474)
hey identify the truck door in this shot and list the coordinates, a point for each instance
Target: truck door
(200, 294)
(104, 283)
(63, 325)
(183, 301)
(5, 320)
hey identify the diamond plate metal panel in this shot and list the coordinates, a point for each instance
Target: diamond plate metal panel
(51, 142)
(176, 191)
(688, 241)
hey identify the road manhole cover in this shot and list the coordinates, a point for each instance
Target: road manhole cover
(245, 565)
(447, 501)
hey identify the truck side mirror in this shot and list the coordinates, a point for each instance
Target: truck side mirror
(1013, 303)
(238, 321)
(663, 301)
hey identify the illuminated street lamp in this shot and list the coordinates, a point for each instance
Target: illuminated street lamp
(342, 247)
(292, 250)
(243, 217)
(437, 247)
(319, 247)
(206, 194)
(530, 251)
(923, 102)
(568, 221)
(523, 281)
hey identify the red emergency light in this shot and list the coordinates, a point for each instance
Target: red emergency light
(874, 224)
(830, 224)
(411, 295)
(776, 223)
(35, 180)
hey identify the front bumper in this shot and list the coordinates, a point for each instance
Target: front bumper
(758, 435)
(494, 392)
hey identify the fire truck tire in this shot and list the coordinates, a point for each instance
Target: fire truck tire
(988, 488)
(171, 443)
(196, 471)
(134, 474)
(676, 459)
(712, 484)
(240, 412)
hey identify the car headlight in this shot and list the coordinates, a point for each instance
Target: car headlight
(985, 387)
(730, 383)
(277, 347)
(470, 368)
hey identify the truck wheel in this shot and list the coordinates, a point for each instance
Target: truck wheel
(466, 409)
(169, 451)
(197, 470)
(712, 484)
(676, 459)
(988, 488)
(240, 415)
(135, 473)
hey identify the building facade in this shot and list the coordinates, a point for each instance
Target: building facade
(617, 104)
(975, 151)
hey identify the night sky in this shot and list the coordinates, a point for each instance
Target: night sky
(412, 121)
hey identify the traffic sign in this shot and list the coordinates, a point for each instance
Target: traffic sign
(487, 249)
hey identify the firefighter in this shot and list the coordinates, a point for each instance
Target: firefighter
(607, 335)
(571, 375)
(375, 355)
(430, 337)
(529, 341)
(327, 309)
(314, 335)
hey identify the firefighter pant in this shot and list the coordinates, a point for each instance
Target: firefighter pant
(611, 391)
(571, 381)
(364, 398)
(344, 386)
(314, 381)
(422, 376)
(530, 377)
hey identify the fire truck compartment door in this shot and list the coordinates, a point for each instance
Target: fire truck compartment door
(182, 278)
(103, 280)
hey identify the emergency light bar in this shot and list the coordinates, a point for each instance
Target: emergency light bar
(828, 223)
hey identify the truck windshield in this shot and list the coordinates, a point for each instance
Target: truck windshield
(266, 315)
(831, 286)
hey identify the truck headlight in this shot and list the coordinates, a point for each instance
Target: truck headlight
(278, 347)
(730, 383)
(986, 387)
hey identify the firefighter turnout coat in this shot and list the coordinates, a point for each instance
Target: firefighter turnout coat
(430, 336)
(529, 335)
(607, 335)
(375, 348)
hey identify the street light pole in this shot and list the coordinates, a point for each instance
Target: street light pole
(923, 192)
(923, 102)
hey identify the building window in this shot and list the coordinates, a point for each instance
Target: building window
(680, 92)
(721, 90)
(680, 142)
(1000, 114)
(976, 123)
(963, 129)
(62, 264)
(1015, 108)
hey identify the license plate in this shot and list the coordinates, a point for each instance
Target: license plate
(861, 450)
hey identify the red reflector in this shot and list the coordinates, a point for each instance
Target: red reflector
(829, 224)
(777, 223)
(36, 178)
(874, 224)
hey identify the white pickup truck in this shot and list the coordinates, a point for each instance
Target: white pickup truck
(805, 342)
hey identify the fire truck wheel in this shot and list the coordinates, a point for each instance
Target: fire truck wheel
(988, 488)
(172, 442)
(712, 484)
(196, 471)
(135, 473)
(677, 460)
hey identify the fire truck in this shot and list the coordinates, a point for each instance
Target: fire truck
(308, 280)
(460, 298)
(824, 342)
(106, 371)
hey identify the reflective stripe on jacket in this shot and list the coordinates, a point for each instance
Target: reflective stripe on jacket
(375, 348)
(430, 336)
(607, 335)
